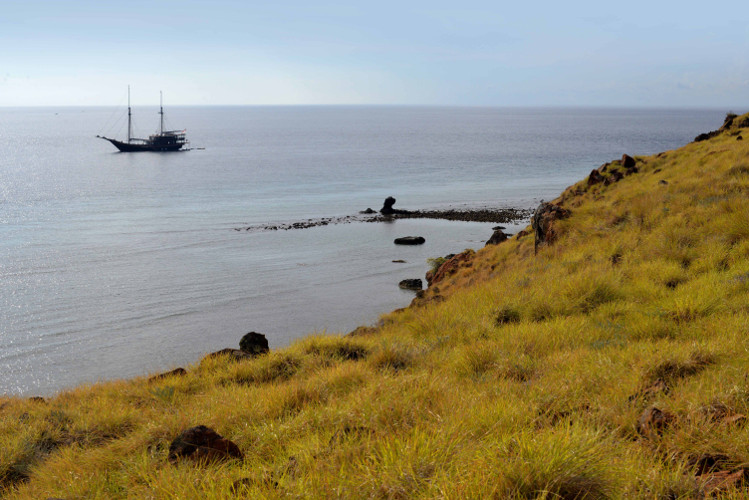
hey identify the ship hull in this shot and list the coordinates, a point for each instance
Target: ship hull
(132, 147)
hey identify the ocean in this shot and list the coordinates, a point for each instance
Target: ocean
(116, 265)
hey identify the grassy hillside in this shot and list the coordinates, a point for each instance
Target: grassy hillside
(520, 375)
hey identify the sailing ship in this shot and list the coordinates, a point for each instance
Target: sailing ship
(164, 140)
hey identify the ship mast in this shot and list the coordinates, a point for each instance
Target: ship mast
(129, 116)
(161, 111)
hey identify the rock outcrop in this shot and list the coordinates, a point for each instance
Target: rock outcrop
(595, 177)
(544, 221)
(450, 266)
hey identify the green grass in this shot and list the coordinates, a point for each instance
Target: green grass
(525, 379)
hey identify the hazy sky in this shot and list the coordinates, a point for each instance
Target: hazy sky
(496, 53)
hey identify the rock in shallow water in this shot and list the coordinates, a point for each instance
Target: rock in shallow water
(409, 240)
(411, 284)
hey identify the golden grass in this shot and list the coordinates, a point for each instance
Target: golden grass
(525, 379)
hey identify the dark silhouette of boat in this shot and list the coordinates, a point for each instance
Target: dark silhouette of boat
(165, 140)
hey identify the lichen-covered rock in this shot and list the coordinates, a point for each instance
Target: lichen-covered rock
(254, 343)
(543, 222)
(202, 444)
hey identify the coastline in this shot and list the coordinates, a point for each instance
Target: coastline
(599, 355)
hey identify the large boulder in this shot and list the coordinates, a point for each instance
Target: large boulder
(543, 222)
(254, 343)
(202, 444)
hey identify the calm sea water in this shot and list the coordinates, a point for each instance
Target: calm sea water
(116, 265)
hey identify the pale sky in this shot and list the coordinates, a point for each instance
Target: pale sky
(475, 53)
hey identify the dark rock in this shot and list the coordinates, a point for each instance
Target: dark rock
(409, 240)
(663, 182)
(368, 211)
(177, 372)
(543, 222)
(399, 261)
(707, 135)
(411, 284)
(202, 444)
(653, 421)
(254, 343)
(497, 237)
(739, 138)
(595, 177)
(387, 208)
(628, 162)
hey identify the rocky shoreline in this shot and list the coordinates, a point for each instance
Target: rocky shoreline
(489, 215)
